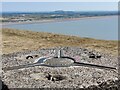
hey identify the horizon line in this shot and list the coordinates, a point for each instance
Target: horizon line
(63, 11)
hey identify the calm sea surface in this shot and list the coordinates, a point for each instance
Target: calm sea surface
(100, 28)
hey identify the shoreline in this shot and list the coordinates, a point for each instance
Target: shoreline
(55, 20)
(27, 40)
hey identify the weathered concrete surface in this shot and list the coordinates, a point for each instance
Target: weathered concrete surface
(75, 77)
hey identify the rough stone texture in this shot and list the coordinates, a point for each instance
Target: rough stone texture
(74, 76)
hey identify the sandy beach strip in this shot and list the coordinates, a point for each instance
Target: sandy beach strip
(54, 20)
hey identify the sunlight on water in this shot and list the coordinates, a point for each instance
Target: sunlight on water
(100, 28)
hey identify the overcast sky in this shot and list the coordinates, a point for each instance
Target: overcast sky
(53, 6)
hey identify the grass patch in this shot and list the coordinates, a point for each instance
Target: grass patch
(20, 40)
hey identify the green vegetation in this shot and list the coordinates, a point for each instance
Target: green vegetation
(60, 14)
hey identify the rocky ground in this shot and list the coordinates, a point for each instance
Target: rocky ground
(61, 77)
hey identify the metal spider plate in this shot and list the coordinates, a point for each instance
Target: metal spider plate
(58, 62)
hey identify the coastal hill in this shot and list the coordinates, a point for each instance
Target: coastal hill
(21, 40)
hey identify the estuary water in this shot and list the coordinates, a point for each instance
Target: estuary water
(105, 28)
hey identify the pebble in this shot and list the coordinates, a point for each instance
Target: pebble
(78, 76)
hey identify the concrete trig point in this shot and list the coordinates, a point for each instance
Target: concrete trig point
(58, 61)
